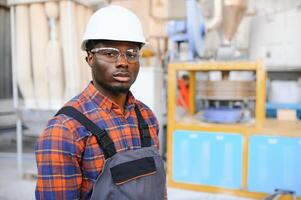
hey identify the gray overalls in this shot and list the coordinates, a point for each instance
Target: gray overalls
(129, 175)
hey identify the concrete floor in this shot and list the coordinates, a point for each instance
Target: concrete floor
(12, 185)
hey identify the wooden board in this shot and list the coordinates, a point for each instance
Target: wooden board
(226, 90)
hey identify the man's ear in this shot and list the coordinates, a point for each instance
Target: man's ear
(89, 59)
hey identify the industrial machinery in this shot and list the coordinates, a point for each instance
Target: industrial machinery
(193, 29)
(224, 96)
(219, 139)
(248, 158)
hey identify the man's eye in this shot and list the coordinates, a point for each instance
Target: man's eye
(132, 54)
(110, 53)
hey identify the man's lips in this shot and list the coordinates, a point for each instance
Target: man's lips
(122, 76)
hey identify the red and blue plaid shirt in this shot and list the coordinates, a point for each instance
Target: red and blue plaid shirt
(69, 158)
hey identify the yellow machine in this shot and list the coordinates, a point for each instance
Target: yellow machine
(249, 158)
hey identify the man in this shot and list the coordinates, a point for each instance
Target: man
(103, 143)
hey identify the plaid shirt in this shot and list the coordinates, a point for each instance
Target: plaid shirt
(69, 159)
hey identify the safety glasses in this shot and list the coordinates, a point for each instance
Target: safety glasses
(111, 55)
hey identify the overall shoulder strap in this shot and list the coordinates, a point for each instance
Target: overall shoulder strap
(103, 139)
(143, 129)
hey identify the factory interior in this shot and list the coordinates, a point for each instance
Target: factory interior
(223, 78)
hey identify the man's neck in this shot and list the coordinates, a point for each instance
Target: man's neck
(118, 98)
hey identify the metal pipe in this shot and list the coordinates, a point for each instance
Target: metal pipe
(15, 93)
(19, 146)
(13, 55)
(217, 18)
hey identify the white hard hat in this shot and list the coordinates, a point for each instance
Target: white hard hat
(113, 23)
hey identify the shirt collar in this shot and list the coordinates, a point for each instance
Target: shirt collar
(102, 101)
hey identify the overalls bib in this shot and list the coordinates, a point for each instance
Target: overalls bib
(129, 175)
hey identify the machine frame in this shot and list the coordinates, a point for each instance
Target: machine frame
(246, 130)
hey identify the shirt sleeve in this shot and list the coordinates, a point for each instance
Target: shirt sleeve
(59, 174)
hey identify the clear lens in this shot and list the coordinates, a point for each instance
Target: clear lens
(112, 54)
(132, 55)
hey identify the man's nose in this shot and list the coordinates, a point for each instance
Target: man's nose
(122, 60)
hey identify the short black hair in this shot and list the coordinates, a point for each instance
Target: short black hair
(90, 44)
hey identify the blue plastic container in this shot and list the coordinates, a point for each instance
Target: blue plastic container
(207, 158)
(223, 115)
(274, 162)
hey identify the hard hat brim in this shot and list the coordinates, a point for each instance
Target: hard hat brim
(83, 45)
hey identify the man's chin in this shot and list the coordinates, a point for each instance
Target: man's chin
(116, 89)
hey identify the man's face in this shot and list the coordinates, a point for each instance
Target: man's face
(111, 75)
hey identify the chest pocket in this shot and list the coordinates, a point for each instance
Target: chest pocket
(132, 170)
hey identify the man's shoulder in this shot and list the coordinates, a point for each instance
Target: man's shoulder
(66, 124)
(81, 102)
(78, 102)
